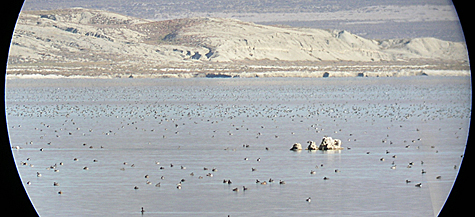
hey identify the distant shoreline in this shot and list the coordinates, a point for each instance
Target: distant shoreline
(282, 74)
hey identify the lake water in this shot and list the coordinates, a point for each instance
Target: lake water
(125, 129)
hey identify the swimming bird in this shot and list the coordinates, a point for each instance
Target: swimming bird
(309, 199)
(408, 181)
(325, 178)
(281, 182)
(244, 188)
(236, 189)
(418, 185)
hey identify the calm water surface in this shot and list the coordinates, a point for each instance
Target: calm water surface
(125, 129)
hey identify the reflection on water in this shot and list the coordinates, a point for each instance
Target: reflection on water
(156, 134)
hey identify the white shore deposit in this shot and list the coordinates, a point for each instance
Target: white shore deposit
(87, 42)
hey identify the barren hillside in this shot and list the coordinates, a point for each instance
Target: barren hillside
(93, 42)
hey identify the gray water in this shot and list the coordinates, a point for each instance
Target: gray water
(198, 123)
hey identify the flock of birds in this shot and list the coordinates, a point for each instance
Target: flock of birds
(167, 113)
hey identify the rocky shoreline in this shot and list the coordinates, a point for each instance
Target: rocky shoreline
(246, 69)
(294, 74)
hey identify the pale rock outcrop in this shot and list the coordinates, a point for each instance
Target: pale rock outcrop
(328, 143)
(296, 147)
(312, 145)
